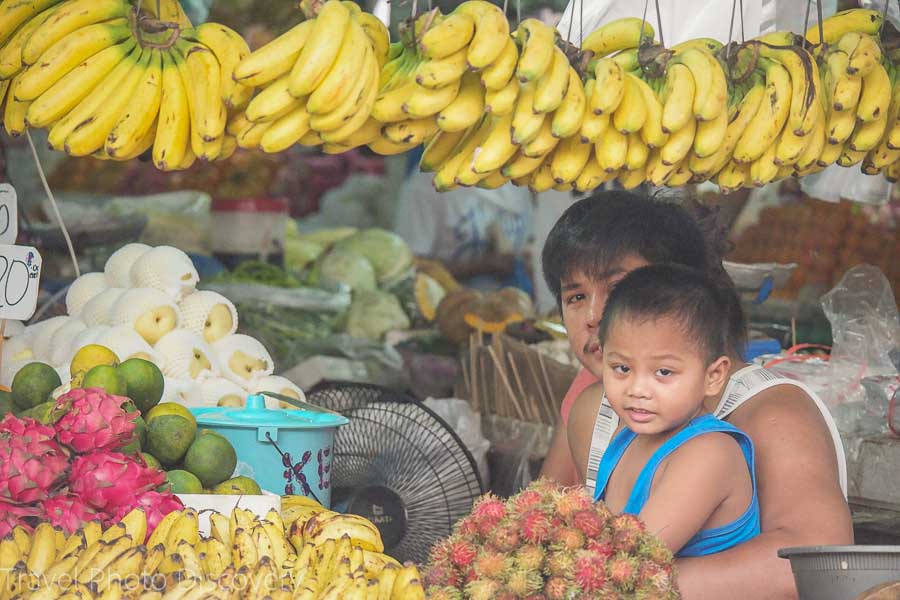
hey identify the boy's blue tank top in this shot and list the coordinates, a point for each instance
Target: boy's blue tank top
(705, 542)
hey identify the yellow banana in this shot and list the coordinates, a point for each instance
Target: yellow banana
(358, 126)
(170, 145)
(69, 52)
(286, 131)
(865, 56)
(541, 179)
(123, 568)
(274, 59)
(679, 98)
(526, 122)
(655, 172)
(652, 131)
(493, 181)
(383, 146)
(491, 32)
(638, 152)
(592, 176)
(339, 81)
(378, 34)
(521, 165)
(815, 146)
(763, 170)
(14, 111)
(875, 98)
(770, 118)
(42, 553)
(610, 86)
(835, 26)
(468, 106)
(612, 150)
(846, 87)
(14, 13)
(11, 52)
(89, 134)
(139, 115)
(439, 72)
(788, 147)
(497, 148)
(747, 110)
(569, 114)
(445, 176)
(321, 49)
(631, 114)
(830, 154)
(70, 17)
(76, 85)
(447, 37)
(733, 177)
(806, 85)
(850, 157)
(411, 131)
(503, 101)
(438, 149)
(620, 34)
(701, 68)
(183, 529)
(497, 75)
(195, 63)
(538, 41)
(551, 88)
(388, 106)
(423, 102)
(867, 136)
(681, 176)
(543, 143)
(680, 143)
(357, 105)
(229, 49)
(592, 125)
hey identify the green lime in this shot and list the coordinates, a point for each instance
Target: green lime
(169, 437)
(6, 403)
(238, 486)
(33, 384)
(169, 408)
(211, 458)
(107, 378)
(182, 482)
(144, 382)
(151, 461)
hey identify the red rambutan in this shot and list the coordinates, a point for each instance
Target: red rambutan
(590, 571)
(491, 565)
(488, 513)
(506, 537)
(462, 554)
(536, 526)
(557, 588)
(522, 582)
(527, 500)
(560, 564)
(442, 575)
(627, 533)
(571, 501)
(482, 589)
(530, 557)
(623, 571)
(589, 522)
(568, 538)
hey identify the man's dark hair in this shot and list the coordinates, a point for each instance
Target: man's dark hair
(597, 232)
(708, 309)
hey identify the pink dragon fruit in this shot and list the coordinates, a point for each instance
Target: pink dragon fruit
(108, 481)
(95, 420)
(68, 512)
(31, 461)
(155, 505)
(12, 515)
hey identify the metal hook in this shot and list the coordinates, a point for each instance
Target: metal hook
(644, 19)
(571, 22)
(806, 21)
(741, 4)
(662, 40)
(730, 30)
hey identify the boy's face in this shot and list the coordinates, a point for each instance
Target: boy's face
(583, 299)
(655, 377)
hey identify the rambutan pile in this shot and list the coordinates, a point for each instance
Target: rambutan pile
(549, 543)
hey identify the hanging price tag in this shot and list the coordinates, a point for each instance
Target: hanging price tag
(9, 214)
(20, 276)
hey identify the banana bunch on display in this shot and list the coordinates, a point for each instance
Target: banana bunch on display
(318, 83)
(304, 552)
(107, 80)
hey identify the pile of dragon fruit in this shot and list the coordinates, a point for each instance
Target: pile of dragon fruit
(549, 543)
(73, 471)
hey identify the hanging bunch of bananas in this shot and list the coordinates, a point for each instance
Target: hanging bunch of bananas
(317, 82)
(111, 80)
(304, 552)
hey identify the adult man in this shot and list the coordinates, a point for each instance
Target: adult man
(800, 463)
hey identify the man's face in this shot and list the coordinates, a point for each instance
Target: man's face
(583, 299)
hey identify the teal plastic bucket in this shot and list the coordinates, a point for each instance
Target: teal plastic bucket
(285, 451)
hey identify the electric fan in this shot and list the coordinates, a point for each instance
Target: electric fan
(399, 465)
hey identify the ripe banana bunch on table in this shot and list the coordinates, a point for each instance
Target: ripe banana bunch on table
(106, 80)
(317, 82)
(280, 556)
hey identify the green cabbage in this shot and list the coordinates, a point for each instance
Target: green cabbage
(387, 252)
(345, 267)
(373, 313)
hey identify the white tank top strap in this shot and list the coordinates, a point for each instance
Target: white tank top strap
(755, 379)
(743, 385)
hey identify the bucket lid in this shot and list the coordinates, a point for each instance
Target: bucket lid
(255, 414)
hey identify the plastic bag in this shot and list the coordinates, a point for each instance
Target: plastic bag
(517, 452)
(467, 424)
(865, 329)
(838, 182)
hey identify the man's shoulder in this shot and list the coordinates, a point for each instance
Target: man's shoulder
(780, 406)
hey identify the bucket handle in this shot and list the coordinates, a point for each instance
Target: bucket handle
(299, 403)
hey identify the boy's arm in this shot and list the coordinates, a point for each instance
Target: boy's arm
(694, 481)
(800, 501)
(580, 429)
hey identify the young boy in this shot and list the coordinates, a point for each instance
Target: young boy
(690, 476)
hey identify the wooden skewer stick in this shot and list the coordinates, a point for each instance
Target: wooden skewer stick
(519, 412)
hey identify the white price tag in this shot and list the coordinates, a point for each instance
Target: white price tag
(9, 214)
(20, 276)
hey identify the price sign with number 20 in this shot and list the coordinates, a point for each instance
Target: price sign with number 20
(20, 275)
